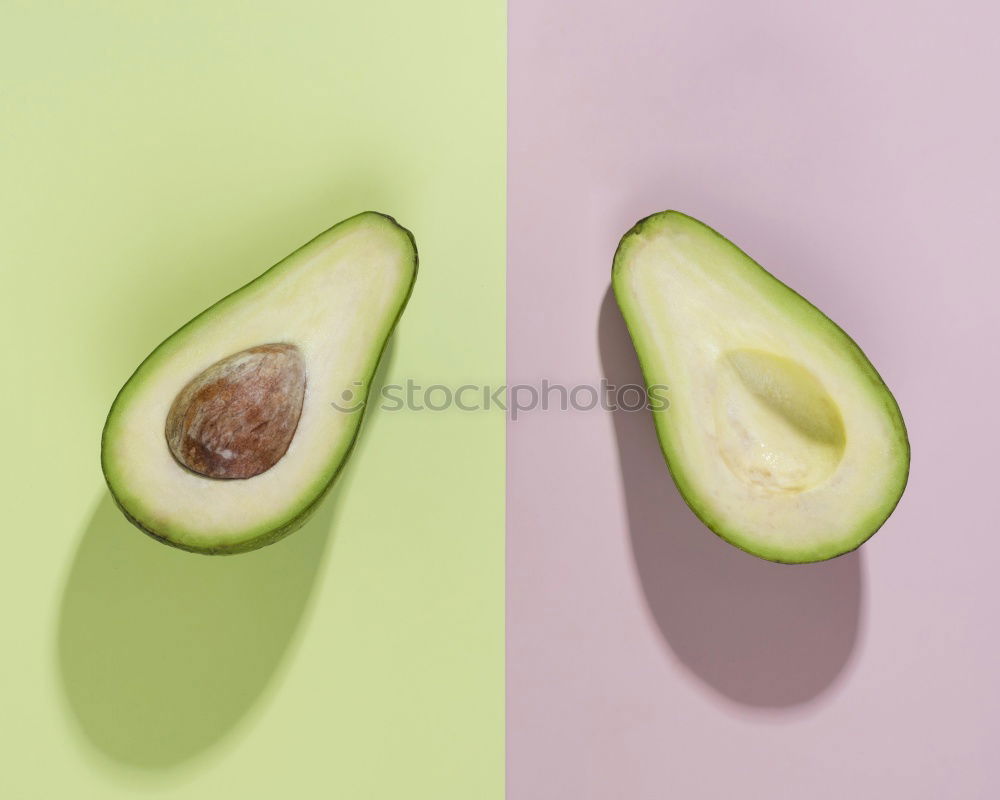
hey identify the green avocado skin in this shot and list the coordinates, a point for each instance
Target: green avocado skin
(852, 539)
(299, 519)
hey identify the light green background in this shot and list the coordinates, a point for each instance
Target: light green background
(155, 157)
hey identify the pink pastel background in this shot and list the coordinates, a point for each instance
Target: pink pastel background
(854, 149)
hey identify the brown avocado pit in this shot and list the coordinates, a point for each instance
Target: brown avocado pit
(237, 418)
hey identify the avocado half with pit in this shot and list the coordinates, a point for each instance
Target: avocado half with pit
(228, 435)
(779, 433)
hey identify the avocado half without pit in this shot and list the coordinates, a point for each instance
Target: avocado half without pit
(228, 435)
(779, 433)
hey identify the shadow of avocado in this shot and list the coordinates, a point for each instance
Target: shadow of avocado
(162, 652)
(758, 633)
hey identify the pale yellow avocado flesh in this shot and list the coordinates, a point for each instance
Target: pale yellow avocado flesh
(337, 300)
(779, 433)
